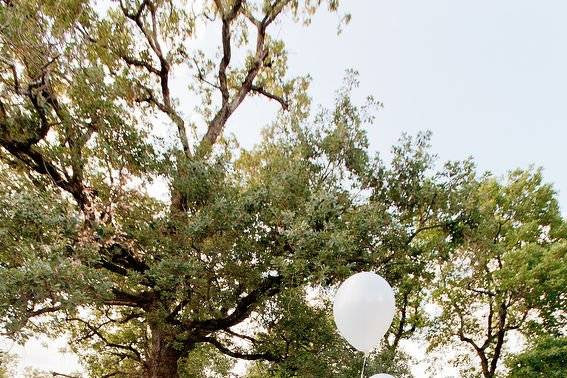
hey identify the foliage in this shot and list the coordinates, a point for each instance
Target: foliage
(546, 357)
(206, 361)
(508, 274)
(145, 284)
(5, 364)
(223, 267)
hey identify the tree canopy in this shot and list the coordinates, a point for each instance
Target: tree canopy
(545, 357)
(238, 260)
(509, 272)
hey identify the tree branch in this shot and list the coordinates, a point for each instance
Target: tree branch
(55, 374)
(400, 330)
(96, 331)
(240, 336)
(201, 76)
(139, 63)
(269, 287)
(227, 18)
(241, 355)
(284, 104)
(41, 311)
(122, 298)
(217, 124)
(14, 71)
(152, 39)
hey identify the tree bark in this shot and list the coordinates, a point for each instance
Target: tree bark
(484, 365)
(162, 359)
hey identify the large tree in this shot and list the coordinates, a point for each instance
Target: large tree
(224, 265)
(86, 93)
(149, 286)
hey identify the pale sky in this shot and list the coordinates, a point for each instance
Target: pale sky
(488, 78)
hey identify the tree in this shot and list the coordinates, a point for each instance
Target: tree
(509, 273)
(142, 282)
(425, 214)
(546, 357)
(401, 229)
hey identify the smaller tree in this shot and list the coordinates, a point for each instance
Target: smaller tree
(510, 272)
(546, 357)
(423, 211)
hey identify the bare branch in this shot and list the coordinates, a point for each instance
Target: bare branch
(12, 66)
(248, 14)
(45, 310)
(481, 291)
(201, 75)
(36, 161)
(228, 107)
(242, 355)
(227, 18)
(502, 315)
(400, 330)
(55, 374)
(152, 37)
(240, 336)
(268, 287)
(139, 63)
(284, 104)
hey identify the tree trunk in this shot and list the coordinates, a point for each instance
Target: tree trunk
(484, 366)
(163, 365)
(502, 314)
(162, 357)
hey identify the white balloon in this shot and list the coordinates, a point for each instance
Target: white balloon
(363, 310)
(382, 375)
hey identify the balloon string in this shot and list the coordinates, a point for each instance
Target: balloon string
(364, 365)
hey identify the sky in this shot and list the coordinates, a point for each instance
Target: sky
(488, 78)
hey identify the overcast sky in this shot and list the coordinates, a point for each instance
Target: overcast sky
(488, 78)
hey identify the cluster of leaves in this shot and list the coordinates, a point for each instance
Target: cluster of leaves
(507, 273)
(545, 357)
